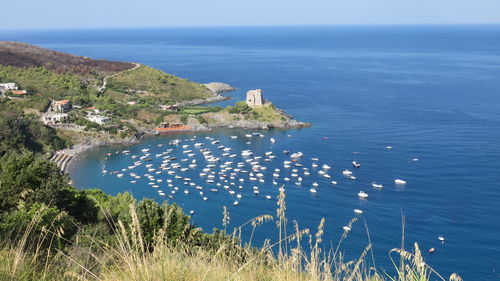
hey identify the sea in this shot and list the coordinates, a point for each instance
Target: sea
(429, 92)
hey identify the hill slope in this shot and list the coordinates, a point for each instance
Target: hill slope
(25, 55)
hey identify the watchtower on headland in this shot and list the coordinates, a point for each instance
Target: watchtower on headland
(255, 98)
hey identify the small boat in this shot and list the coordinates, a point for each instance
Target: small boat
(431, 250)
(268, 197)
(356, 164)
(235, 203)
(346, 173)
(272, 140)
(296, 155)
(191, 212)
(234, 137)
(326, 167)
(399, 182)
(362, 194)
(377, 185)
(346, 228)
(334, 182)
(441, 238)
(312, 190)
(358, 211)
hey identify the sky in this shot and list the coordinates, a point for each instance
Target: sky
(78, 14)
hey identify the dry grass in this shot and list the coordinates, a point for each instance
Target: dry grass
(295, 256)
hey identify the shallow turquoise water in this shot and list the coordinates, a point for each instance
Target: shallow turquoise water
(430, 92)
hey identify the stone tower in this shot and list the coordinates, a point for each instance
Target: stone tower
(255, 98)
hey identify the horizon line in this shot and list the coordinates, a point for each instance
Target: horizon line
(248, 26)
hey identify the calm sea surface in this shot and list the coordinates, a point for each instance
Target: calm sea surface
(430, 92)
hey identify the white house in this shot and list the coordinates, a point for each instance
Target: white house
(99, 119)
(8, 86)
(54, 118)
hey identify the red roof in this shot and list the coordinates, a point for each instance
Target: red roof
(17, 92)
(63, 102)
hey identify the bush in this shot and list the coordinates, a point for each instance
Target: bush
(184, 119)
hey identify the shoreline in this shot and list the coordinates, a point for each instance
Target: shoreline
(74, 152)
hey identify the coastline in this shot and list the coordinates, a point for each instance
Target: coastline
(219, 121)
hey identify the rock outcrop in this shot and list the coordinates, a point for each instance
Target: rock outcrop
(219, 87)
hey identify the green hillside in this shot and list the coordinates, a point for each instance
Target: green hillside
(149, 82)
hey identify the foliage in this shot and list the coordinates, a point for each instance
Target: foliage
(195, 110)
(184, 119)
(239, 108)
(19, 132)
(43, 81)
(157, 85)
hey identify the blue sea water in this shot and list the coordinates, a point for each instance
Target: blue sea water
(430, 92)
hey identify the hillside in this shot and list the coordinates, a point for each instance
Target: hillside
(150, 82)
(25, 55)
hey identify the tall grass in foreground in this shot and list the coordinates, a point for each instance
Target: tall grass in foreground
(294, 256)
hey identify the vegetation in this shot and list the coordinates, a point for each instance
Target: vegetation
(43, 81)
(151, 82)
(28, 56)
(265, 113)
(194, 110)
(19, 132)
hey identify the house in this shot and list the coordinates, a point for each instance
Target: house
(99, 119)
(8, 86)
(169, 108)
(132, 102)
(61, 106)
(54, 118)
(255, 98)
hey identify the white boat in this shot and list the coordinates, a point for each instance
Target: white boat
(268, 197)
(346, 228)
(358, 211)
(235, 203)
(346, 173)
(234, 137)
(315, 184)
(441, 238)
(326, 167)
(312, 190)
(399, 182)
(272, 140)
(296, 155)
(356, 164)
(362, 194)
(334, 182)
(377, 185)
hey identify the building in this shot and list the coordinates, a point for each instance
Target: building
(54, 118)
(61, 106)
(8, 86)
(99, 119)
(173, 108)
(255, 98)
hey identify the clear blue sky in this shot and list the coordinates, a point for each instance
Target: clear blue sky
(35, 14)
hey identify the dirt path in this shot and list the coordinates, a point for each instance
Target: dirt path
(105, 80)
